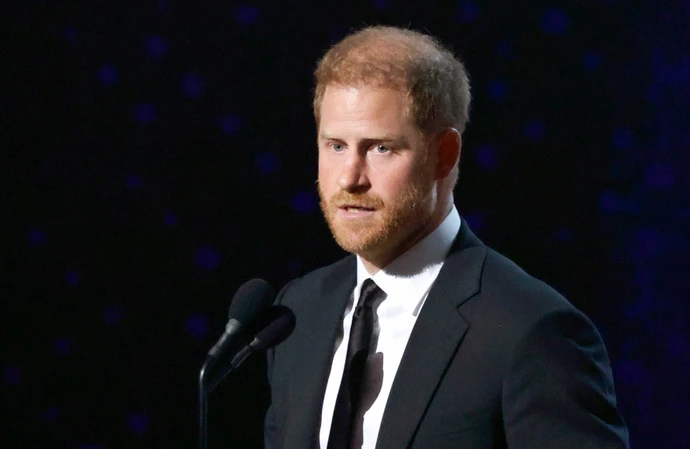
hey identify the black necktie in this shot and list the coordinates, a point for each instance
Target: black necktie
(358, 350)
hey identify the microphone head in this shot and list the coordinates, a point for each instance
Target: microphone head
(281, 322)
(248, 304)
(251, 298)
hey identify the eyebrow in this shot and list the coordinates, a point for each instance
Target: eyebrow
(398, 140)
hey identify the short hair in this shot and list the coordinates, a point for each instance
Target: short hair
(434, 80)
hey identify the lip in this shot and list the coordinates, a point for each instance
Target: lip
(358, 213)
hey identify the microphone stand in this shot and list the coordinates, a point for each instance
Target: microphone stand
(209, 378)
(203, 405)
(280, 327)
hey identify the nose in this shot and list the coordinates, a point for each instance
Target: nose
(353, 173)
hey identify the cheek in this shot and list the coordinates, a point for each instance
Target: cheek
(327, 161)
(393, 185)
(324, 170)
(405, 184)
(326, 183)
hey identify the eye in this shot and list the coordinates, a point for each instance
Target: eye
(381, 149)
(337, 147)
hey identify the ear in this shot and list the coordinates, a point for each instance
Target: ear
(449, 148)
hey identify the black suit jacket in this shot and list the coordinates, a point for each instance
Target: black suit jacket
(496, 359)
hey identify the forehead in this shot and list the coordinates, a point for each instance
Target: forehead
(364, 107)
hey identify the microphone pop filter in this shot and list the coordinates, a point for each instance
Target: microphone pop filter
(281, 322)
(251, 298)
(248, 304)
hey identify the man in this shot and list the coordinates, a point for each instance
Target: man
(424, 337)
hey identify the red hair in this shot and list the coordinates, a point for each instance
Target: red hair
(433, 79)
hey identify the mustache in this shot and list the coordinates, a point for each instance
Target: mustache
(344, 198)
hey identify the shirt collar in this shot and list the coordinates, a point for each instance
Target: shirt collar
(409, 277)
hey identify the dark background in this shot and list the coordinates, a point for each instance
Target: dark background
(161, 153)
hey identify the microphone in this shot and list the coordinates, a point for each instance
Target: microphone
(251, 298)
(281, 323)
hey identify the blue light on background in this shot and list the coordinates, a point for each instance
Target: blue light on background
(535, 130)
(197, 326)
(475, 220)
(247, 15)
(170, 219)
(486, 157)
(659, 176)
(468, 11)
(37, 237)
(107, 75)
(592, 61)
(498, 90)
(51, 415)
(145, 113)
(564, 235)
(138, 422)
(73, 278)
(506, 50)
(555, 21)
(267, 162)
(112, 314)
(304, 202)
(70, 34)
(207, 258)
(231, 124)
(62, 346)
(156, 47)
(13, 375)
(133, 181)
(381, 4)
(193, 85)
(622, 139)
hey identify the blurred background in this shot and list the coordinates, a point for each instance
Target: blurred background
(157, 154)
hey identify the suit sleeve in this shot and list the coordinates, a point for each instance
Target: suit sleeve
(558, 391)
(271, 430)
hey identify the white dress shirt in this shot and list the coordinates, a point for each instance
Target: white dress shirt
(406, 282)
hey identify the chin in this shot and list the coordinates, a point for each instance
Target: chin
(369, 246)
(356, 246)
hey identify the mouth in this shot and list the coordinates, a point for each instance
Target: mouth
(352, 208)
(355, 212)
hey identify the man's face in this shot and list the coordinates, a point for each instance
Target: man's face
(376, 178)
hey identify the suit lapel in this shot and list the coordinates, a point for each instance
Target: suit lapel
(322, 322)
(435, 337)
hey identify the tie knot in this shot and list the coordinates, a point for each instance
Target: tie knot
(370, 291)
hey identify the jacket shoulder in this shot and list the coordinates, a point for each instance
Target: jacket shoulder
(509, 286)
(511, 305)
(510, 302)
